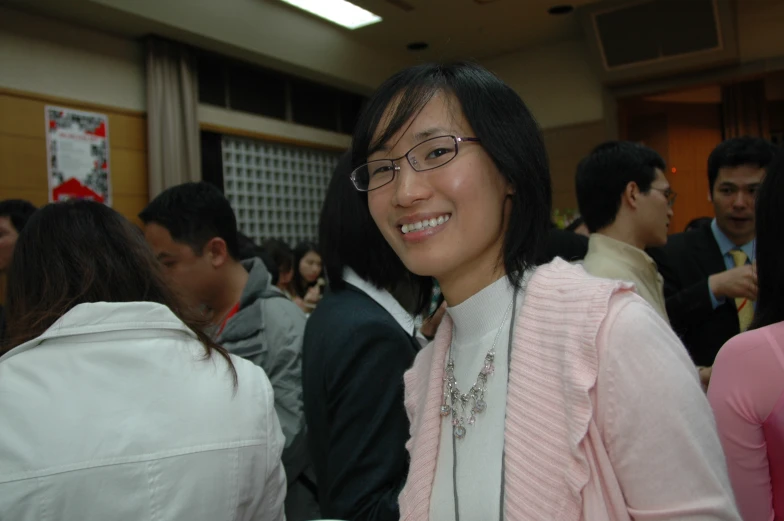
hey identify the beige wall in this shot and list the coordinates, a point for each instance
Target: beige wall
(760, 29)
(556, 82)
(48, 57)
(566, 146)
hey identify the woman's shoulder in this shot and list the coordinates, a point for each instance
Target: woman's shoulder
(352, 307)
(559, 277)
(347, 322)
(565, 296)
(766, 339)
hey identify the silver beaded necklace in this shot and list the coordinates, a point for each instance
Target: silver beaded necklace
(455, 437)
(458, 404)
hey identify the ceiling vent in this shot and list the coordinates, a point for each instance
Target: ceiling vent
(634, 41)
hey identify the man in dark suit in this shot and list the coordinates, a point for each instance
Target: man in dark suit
(710, 285)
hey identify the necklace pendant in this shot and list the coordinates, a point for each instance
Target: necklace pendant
(445, 410)
(480, 406)
(472, 420)
(460, 432)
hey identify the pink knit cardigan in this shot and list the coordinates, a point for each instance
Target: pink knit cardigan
(555, 457)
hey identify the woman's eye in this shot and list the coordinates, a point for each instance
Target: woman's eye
(381, 170)
(438, 152)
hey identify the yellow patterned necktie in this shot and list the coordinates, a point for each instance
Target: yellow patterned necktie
(745, 306)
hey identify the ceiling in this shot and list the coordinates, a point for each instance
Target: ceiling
(466, 29)
(453, 29)
(274, 34)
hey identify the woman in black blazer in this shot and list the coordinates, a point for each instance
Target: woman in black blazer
(358, 343)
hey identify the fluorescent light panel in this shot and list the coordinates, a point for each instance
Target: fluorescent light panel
(340, 12)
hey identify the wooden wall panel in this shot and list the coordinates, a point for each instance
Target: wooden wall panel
(23, 172)
(566, 147)
(684, 134)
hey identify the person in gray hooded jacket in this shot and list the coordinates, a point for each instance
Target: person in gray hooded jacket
(193, 232)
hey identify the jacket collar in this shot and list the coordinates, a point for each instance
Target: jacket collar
(726, 245)
(603, 246)
(259, 281)
(384, 299)
(104, 317)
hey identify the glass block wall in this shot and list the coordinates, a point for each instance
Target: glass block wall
(276, 190)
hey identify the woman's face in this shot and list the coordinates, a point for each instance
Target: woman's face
(310, 266)
(466, 199)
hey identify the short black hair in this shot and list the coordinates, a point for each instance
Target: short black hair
(507, 131)
(346, 243)
(698, 223)
(17, 211)
(737, 152)
(250, 250)
(195, 213)
(579, 221)
(603, 176)
(769, 246)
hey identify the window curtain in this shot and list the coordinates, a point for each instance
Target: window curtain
(172, 122)
(745, 110)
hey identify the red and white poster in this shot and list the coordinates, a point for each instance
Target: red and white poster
(78, 155)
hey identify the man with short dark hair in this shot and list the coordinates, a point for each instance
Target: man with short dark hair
(709, 277)
(193, 232)
(14, 214)
(282, 255)
(626, 203)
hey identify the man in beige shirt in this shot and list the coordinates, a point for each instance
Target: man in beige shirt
(626, 202)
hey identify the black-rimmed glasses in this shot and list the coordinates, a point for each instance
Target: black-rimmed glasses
(427, 155)
(668, 193)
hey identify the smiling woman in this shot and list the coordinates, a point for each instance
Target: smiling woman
(457, 183)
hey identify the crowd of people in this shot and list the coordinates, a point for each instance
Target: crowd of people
(608, 371)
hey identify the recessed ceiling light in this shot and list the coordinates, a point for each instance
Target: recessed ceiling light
(417, 46)
(561, 9)
(340, 12)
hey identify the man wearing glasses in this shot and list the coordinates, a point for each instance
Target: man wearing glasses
(627, 205)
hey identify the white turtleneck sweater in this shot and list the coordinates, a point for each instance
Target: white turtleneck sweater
(477, 321)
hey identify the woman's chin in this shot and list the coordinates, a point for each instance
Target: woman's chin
(422, 268)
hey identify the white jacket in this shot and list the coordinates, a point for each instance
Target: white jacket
(114, 414)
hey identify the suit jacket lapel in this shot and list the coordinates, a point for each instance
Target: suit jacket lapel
(710, 254)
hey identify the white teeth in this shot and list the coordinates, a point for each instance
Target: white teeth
(427, 223)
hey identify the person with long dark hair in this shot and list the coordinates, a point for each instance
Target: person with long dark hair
(14, 214)
(547, 394)
(358, 343)
(307, 284)
(114, 402)
(747, 386)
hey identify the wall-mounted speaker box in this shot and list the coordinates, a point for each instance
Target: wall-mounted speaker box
(632, 41)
